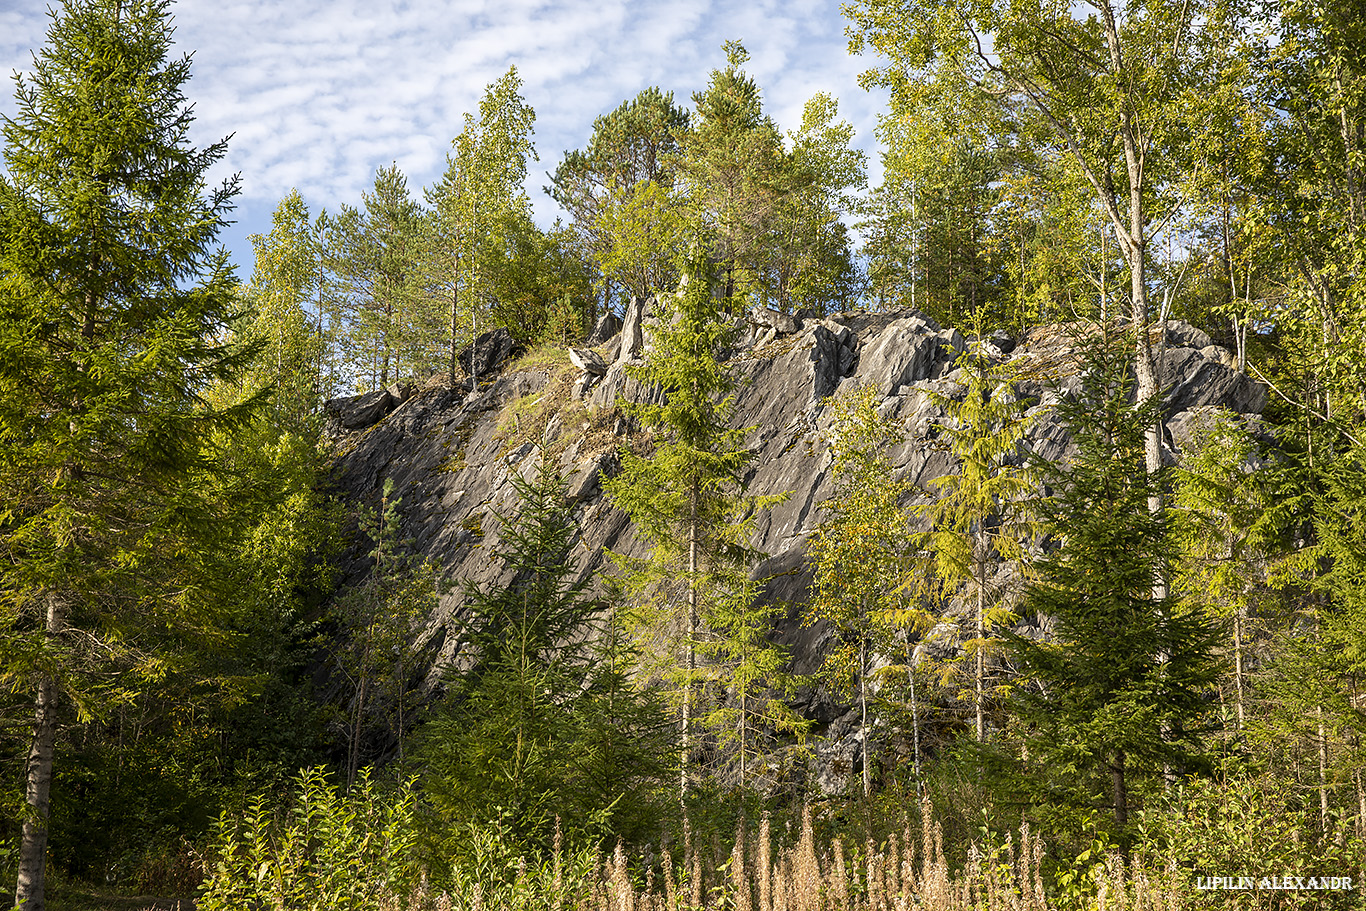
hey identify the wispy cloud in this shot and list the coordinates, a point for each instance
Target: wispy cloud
(320, 93)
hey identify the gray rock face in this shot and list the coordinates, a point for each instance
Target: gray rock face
(588, 361)
(632, 331)
(451, 456)
(1190, 378)
(605, 328)
(781, 323)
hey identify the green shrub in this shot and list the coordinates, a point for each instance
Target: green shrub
(1244, 826)
(327, 851)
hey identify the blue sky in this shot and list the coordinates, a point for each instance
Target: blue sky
(320, 93)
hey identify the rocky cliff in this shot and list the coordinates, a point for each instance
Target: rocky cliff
(451, 451)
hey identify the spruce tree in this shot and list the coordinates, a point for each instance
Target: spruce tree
(544, 721)
(1118, 696)
(115, 302)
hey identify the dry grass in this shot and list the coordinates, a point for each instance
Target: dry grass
(907, 873)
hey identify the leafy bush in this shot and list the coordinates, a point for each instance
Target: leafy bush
(328, 850)
(1248, 827)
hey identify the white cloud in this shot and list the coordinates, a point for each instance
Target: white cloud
(320, 93)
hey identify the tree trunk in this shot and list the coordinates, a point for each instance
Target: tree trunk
(1238, 664)
(915, 724)
(1361, 803)
(1120, 790)
(981, 668)
(1323, 771)
(863, 708)
(353, 760)
(29, 891)
(455, 300)
(691, 657)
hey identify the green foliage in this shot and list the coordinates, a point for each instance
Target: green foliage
(775, 215)
(284, 285)
(730, 167)
(978, 522)
(479, 197)
(115, 302)
(811, 262)
(618, 193)
(1249, 827)
(1310, 203)
(1117, 698)
(1220, 512)
(860, 555)
(327, 849)
(943, 171)
(687, 498)
(386, 328)
(751, 671)
(380, 619)
(544, 723)
(537, 285)
(643, 232)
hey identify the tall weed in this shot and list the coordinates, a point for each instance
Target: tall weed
(326, 851)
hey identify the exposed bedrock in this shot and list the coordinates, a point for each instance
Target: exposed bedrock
(451, 453)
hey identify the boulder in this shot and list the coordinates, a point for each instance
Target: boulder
(781, 323)
(588, 361)
(1181, 334)
(487, 353)
(585, 481)
(1191, 379)
(358, 412)
(618, 382)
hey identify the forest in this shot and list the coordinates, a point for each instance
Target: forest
(203, 704)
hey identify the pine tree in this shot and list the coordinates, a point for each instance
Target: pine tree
(1118, 697)
(1219, 518)
(389, 330)
(730, 168)
(114, 305)
(502, 735)
(750, 669)
(619, 193)
(622, 753)
(812, 264)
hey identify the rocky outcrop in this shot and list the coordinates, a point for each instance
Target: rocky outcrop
(451, 454)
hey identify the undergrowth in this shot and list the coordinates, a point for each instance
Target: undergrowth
(332, 850)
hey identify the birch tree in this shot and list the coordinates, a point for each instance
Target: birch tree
(1117, 85)
(482, 186)
(861, 555)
